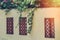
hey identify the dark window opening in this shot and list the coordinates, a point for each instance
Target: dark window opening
(49, 28)
(9, 23)
(23, 26)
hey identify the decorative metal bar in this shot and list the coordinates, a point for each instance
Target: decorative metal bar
(49, 28)
(23, 26)
(9, 23)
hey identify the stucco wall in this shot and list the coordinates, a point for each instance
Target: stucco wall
(38, 25)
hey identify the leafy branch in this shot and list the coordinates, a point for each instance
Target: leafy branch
(30, 19)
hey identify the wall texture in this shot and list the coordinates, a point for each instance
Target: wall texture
(38, 24)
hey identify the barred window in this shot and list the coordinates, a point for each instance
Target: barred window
(23, 26)
(9, 23)
(49, 28)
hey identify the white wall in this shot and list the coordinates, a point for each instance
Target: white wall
(3, 36)
(38, 25)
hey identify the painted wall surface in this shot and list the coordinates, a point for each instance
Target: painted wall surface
(38, 24)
